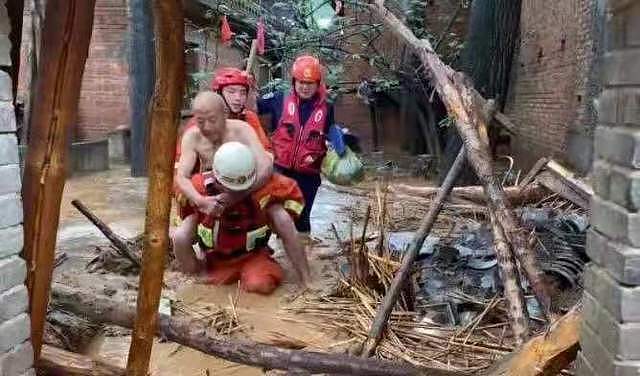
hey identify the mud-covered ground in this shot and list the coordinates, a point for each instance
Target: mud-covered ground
(119, 201)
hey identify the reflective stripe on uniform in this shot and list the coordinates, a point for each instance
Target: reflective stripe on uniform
(255, 235)
(264, 201)
(208, 236)
(293, 206)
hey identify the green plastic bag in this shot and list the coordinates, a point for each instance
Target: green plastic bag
(345, 170)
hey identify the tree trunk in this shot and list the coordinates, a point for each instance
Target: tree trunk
(193, 333)
(401, 277)
(463, 105)
(141, 71)
(58, 362)
(66, 36)
(165, 117)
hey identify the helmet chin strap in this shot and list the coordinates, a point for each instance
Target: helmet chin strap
(227, 105)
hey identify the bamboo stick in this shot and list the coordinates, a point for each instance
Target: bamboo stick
(65, 46)
(167, 102)
(382, 316)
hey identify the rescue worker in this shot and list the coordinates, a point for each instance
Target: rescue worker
(235, 243)
(271, 193)
(233, 85)
(300, 122)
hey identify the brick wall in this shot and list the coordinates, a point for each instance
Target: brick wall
(104, 99)
(610, 334)
(554, 81)
(16, 353)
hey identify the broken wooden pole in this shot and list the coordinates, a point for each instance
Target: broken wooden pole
(516, 304)
(165, 117)
(195, 333)
(464, 106)
(57, 362)
(547, 354)
(403, 274)
(65, 45)
(120, 244)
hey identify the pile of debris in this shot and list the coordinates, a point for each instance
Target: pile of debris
(451, 315)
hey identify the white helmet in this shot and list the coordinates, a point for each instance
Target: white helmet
(234, 166)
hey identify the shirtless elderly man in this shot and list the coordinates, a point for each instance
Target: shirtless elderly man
(272, 194)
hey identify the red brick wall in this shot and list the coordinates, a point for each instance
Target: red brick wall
(550, 94)
(104, 99)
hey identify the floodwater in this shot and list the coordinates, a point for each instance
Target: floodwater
(119, 201)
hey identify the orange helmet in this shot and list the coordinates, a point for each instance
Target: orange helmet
(307, 68)
(230, 76)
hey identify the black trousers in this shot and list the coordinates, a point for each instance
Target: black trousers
(309, 185)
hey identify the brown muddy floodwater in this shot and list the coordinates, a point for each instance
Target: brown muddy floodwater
(119, 201)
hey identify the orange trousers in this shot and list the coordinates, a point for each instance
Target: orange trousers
(257, 271)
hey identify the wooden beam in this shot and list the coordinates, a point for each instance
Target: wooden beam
(165, 118)
(546, 354)
(57, 362)
(65, 45)
(195, 333)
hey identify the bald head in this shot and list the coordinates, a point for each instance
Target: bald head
(207, 101)
(208, 110)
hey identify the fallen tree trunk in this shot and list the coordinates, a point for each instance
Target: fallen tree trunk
(120, 244)
(547, 354)
(464, 106)
(516, 195)
(57, 362)
(194, 333)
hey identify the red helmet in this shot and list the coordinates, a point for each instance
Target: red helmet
(307, 68)
(230, 76)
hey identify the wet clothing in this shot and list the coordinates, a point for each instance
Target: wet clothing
(235, 244)
(257, 271)
(274, 105)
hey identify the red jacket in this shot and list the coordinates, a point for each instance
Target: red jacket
(297, 147)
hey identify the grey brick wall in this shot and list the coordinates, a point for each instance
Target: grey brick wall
(16, 353)
(610, 334)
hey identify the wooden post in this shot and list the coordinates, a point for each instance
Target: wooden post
(65, 45)
(165, 116)
(400, 279)
(141, 71)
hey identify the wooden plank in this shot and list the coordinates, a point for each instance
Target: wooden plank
(57, 362)
(165, 118)
(546, 354)
(65, 46)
